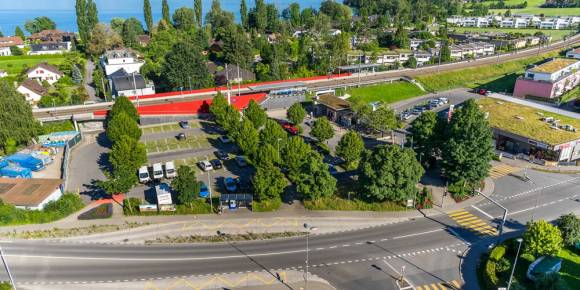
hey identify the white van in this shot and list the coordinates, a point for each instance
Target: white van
(144, 175)
(170, 170)
(157, 171)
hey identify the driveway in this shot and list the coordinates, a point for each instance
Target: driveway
(87, 160)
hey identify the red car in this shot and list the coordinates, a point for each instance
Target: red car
(289, 128)
(482, 92)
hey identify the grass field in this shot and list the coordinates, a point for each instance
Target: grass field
(556, 34)
(386, 93)
(14, 65)
(496, 77)
(570, 266)
(534, 8)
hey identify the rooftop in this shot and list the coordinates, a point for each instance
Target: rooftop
(35, 86)
(27, 192)
(333, 102)
(47, 67)
(554, 65)
(10, 41)
(526, 121)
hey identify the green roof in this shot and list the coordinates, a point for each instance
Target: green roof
(554, 65)
(526, 121)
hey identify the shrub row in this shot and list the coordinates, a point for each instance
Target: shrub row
(54, 210)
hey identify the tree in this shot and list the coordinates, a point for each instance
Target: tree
(296, 113)
(186, 185)
(469, 149)
(267, 154)
(18, 32)
(121, 180)
(16, 119)
(127, 152)
(401, 39)
(350, 148)
(322, 130)
(256, 114)
(248, 138)
(294, 155)
(237, 48)
(16, 51)
(165, 12)
(184, 19)
(10, 146)
(550, 281)
(184, 63)
(273, 133)
(147, 15)
(269, 182)
(77, 76)
(390, 173)
(382, 119)
(197, 8)
(231, 122)
(122, 124)
(411, 62)
(81, 14)
(424, 138)
(217, 18)
(102, 39)
(218, 108)
(244, 14)
(132, 28)
(259, 16)
(295, 18)
(315, 181)
(542, 238)
(123, 104)
(445, 54)
(39, 24)
(569, 225)
(92, 15)
(117, 24)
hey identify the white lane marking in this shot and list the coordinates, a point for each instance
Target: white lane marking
(543, 205)
(481, 211)
(417, 234)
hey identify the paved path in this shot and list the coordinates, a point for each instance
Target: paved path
(88, 79)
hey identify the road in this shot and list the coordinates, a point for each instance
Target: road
(66, 112)
(428, 247)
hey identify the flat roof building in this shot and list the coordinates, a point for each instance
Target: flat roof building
(31, 194)
(549, 80)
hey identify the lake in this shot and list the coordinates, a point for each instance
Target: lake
(66, 20)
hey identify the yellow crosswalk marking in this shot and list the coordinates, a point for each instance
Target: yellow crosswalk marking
(434, 287)
(466, 219)
(455, 214)
(442, 286)
(502, 170)
(456, 284)
(472, 222)
(419, 288)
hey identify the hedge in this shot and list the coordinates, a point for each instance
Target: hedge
(490, 276)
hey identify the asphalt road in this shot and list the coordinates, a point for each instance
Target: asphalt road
(427, 247)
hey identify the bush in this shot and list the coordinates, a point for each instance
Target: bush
(131, 206)
(497, 253)
(502, 265)
(490, 277)
(528, 257)
(266, 205)
(542, 238)
(4, 285)
(59, 126)
(54, 210)
(336, 203)
(103, 211)
(569, 225)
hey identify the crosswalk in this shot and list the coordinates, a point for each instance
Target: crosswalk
(502, 170)
(472, 223)
(440, 286)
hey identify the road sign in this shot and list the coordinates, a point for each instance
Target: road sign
(410, 202)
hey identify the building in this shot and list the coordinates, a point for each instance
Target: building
(143, 40)
(50, 48)
(574, 53)
(549, 80)
(7, 42)
(32, 194)
(537, 134)
(334, 108)
(476, 22)
(44, 72)
(129, 84)
(114, 60)
(32, 90)
(231, 72)
(514, 23)
(53, 35)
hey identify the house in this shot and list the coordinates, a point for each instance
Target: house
(514, 23)
(547, 24)
(5, 51)
(32, 90)
(143, 40)
(50, 48)
(476, 22)
(573, 53)
(7, 42)
(298, 33)
(114, 60)
(334, 108)
(3, 73)
(31, 193)
(129, 84)
(44, 72)
(422, 57)
(532, 40)
(549, 80)
(52, 35)
(229, 72)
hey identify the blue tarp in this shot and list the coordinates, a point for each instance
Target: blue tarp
(14, 171)
(26, 161)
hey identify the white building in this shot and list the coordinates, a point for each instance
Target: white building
(7, 42)
(32, 194)
(44, 72)
(48, 48)
(115, 60)
(553, 70)
(476, 22)
(422, 57)
(32, 90)
(133, 84)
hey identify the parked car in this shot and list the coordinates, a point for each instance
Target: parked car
(157, 171)
(181, 136)
(205, 165)
(483, 92)
(203, 190)
(443, 100)
(241, 161)
(216, 163)
(170, 170)
(230, 184)
(184, 124)
(291, 129)
(225, 139)
(332, 169)
(144, 174)
(222, 155)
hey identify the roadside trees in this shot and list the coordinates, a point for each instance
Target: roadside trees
(542, 238)
(218, 108)
(127, 152)
(122, 124)
(186, 184)
(350, 148)
(322, 130)
(255, 114)
(569, 225)
(294, 156)
(296, 113)
(248, 138)
(123, 104)
(390, 173)
(267, 154)
(382, 119)
(269, 182)
(16, 120)
(424, 137)
(273, 134)
(118, 181)
(315, 181)
(184, 63)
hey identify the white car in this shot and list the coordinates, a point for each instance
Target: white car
(205, 165)
(443, 100)
(144, 175)
(157, 171)
(170, 170)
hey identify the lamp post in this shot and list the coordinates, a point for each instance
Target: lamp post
(7, 269)
(309, 229)
(519, 240)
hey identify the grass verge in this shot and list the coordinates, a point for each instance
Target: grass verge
(337, 203)
(71, 232)
(200, 206)
(386, 93)
(555, 34)
(226, 238)
(14, 65)
(266, 205)
(54, 210)
(570, 271)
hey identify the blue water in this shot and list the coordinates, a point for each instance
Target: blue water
(12, 15)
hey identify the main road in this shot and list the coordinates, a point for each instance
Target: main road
(427, 246)
(353, 80)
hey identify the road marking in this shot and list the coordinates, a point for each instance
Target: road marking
(483, 212)
(417, 234)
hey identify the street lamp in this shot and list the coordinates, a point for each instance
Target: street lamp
(7, 269)
(519, 240)
(309, 229)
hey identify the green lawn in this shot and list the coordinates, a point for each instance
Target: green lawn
(14, 65)
(534, 8)
(387, 93)
(556, 34)
(570, 266)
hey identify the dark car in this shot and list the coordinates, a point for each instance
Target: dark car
(222, 155)
(181, 136)
(216, 163)
(184, 124)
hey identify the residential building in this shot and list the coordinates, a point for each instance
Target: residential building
(334, 108)
(115, 60)
(550, 79)
(143, 40)
(7, 42)
(231, 72)
(5, 51)
(53, 35)
(32, 90)
(514, 23)
(573, 53)
(422, 57)
(50, 48)
(129, 84)
(476, 22)
(45, 72)
(31, 193)
(532, 40)
(516, 43)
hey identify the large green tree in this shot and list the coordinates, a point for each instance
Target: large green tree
(469, 149)
(184, 19)
(123, 104)
(542, 238)
(92, 15)
(122, 125)
(132, 28)
(197, 8)
(424, 137)
(294, 155)
(296, 113)
(248, 138)
(269, 182)
(569, 225)
(165, 12)
(350, 148)
(218, 108)
(121, 180)
(382, 119)
(147, 15)
(127, 152)
(237, 48)
(401, 38)
(256, 114)
(18, 32)
(244, 15)
(390, 173)
(315, 181)
(217, 18)
(16, 119)
(322, 129)
(184, 63)
(267, 154)
(273, 134)
(39, 24)
(186, 185)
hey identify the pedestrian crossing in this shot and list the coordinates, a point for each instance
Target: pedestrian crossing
(472, 223)
(502, 170)
(440, 286)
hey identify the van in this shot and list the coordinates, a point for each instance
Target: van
(170, 170)
(144, 175)
(157, 171)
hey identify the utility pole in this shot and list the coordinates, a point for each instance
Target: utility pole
(359, 69)
(228, 85)
(309, 229)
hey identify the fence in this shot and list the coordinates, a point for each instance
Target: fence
(65, 160)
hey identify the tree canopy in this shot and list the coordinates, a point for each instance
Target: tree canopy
(256, 114)
(322, 129)
(269, 182)
(296, 113)
(16, 119)
(569, 225)
(350, 148)
(184, 64)
(315, 181)
(39, 24)
(542, 238)
(120, 125)
(123, 104)
(184, 18)
(186, 185)
(127, 152)
(273, 133)
(424, 137)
